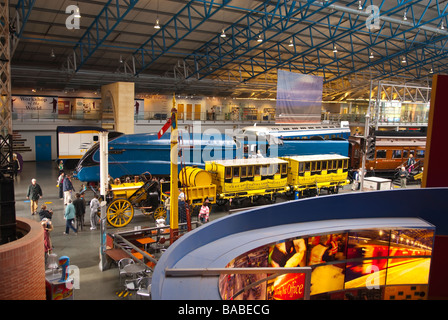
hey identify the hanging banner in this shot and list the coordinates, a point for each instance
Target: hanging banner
(299, 98)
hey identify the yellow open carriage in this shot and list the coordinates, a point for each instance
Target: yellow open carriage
(129, 195)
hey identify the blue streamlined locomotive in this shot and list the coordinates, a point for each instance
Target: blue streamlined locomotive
(134, 154)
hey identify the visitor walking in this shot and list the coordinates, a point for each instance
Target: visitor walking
(94, 207)
(69, 216)
(34, 193)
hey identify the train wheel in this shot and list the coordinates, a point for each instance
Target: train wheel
(119, 213)
(160, 212)
(221, 202)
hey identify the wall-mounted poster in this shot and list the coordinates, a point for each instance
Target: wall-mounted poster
(64, 106)
(87, 108)
(30, 104)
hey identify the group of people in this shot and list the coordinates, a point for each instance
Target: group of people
(204, 212)
(403, 173)
(74, 209)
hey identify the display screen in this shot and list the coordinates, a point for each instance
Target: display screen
(362, 264)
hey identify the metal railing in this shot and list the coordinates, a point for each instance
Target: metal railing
(273, 273)
(39, 115)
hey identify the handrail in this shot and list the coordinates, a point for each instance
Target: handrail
(274, 272)
(143, 253)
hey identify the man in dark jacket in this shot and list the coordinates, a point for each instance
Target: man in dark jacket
(44, 213)
(67, 187)
(80, 210)
(34, 193)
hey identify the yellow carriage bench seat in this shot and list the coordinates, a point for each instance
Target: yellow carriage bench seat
(249, 177)
(125, 190)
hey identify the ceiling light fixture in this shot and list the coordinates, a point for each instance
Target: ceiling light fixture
(291, 44)
(77, 12)
(403, 60)
(431, 71)
(223, 34)
(121, 59)
(52, 54)
(334, 49)
(371, 55)
(441, 26)
(157, 25)
(359, 5)
(404, 17)
(260, 39)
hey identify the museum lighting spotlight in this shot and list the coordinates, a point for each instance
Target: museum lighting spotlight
(157, 25)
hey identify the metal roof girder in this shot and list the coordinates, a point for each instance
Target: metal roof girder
(23, 11)
(389, 21)
(209, 9)
(241, 54)
(98, 32)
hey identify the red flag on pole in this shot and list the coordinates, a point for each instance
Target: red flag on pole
(164, 129)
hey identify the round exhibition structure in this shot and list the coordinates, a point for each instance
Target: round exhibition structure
(191, 267)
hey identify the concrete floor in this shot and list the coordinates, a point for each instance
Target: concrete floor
(83, 249)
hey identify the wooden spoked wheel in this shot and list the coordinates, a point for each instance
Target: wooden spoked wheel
(160, 212)
(119, 213)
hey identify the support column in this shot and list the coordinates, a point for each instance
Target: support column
(122, 96)
(5, 71)
(435, 174)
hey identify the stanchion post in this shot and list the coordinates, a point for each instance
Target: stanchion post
(104, 174)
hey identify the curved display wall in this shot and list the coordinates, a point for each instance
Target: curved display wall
(388, 232)
(356, 264)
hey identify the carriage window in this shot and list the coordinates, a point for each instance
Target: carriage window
(405, 153)
(313, 166)
(301, 166)
(250, 171)
(264, 170)
(324, 165)
(243, 172)
(276, 168)
(257, 170)
(307, 166)
(236, 172)
(381, 154)
(345, 164)
(284, 169)
(228, 172)
(340, 164)
(420, 154)
(330, 165)
(396, 154)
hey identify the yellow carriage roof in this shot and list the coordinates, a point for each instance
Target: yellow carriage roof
(317, 157)
(247, 162)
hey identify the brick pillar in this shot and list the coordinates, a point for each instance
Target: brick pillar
(22, 264)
